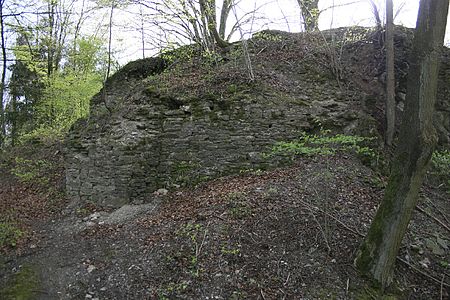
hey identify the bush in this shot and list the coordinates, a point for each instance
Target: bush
(32, 171)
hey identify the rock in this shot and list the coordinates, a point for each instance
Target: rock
(90, 268)
(161, 192)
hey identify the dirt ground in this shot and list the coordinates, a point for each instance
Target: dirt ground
(290, 233)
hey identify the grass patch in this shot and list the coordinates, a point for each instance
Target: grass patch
(22, 286)
(9, 234)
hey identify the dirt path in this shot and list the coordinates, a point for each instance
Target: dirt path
(285, 234)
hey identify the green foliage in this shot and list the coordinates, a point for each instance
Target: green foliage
(190, 230)
(172, 53)
(32, 171)
(22, 286)
(58, 99)
(184, 173)
(441, 162)
(324, 144)
(196, 235)
(230, 250)
(441, 166)
(268, 35)
(172, 289)
(237, 206)
(66, 99)
(87, 57)
(9, 234)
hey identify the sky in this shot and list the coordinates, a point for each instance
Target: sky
(283, 15)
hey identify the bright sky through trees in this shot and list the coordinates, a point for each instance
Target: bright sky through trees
(271, 14)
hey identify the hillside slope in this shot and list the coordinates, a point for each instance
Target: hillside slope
(284, 225)
(184, 118)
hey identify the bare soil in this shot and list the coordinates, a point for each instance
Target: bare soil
(289, 233)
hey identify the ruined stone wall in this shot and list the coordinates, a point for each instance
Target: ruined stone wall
(140, 138)
(151, 140)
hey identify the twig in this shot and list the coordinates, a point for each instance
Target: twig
(432, 217)
(347, 286)
(320, 227)
(442, 286)
(199, 249)
(287, 279)
(441, 282)
(354, 231)
(260, 51)
(262, 294)
(438, 207)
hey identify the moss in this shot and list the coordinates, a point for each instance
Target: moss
(370, 293)
(22, 286)
(367, 252)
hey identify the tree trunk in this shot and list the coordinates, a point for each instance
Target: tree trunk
(3, 79)
(310, 14)
(224, 13)
(50, 42)
(376, 14)
(208, 7)
(378, 252)
(390, 75)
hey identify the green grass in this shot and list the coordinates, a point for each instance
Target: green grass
(21, 286)
(9, 234)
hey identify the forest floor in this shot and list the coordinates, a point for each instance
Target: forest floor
(288, 233)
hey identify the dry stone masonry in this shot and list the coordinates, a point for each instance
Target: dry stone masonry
(139, 139)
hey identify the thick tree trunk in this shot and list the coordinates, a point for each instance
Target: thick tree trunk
(378, 252)
(390, 75)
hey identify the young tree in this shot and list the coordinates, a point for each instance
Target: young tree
(378, 252)
(310, 14)
(208, 10)
(3, 76)
(197, 21)
(390, 74)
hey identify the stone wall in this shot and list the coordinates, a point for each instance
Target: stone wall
(141, 137)
(151, 140)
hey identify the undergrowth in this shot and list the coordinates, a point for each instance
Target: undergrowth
(325, 144)
(440, 162)
(9, 234)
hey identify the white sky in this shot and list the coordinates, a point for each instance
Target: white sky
(284, 15)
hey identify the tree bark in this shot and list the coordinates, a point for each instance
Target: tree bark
(224, 13)
(390, 74)
(50, 43)
(209, 9)
(310, 14)
(378, 252)
(3, 79)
